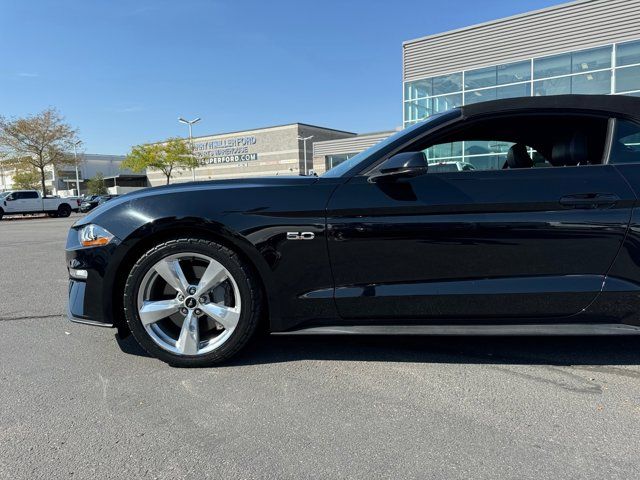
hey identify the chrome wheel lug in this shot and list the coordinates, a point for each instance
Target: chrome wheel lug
(198, 312)
(180, 298)
(184, 311)
(192, 290)
(203, 300)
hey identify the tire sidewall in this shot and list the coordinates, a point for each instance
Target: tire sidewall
(242, 276)
(64, 210)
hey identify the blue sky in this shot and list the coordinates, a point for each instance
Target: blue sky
(122, 71)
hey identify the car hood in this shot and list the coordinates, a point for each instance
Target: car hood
(236, 183)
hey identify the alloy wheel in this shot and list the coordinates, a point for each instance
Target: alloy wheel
(189, 304)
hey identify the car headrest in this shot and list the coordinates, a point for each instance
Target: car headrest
(518, 157)
(571, 151)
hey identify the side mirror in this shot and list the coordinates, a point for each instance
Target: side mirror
(10, 198)
(402, 165)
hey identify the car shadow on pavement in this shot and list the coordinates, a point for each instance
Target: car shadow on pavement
(559, 351)
(463, 349)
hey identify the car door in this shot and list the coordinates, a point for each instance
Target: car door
(31, 202)
(481, 244)
(9, 203)
(15, 202)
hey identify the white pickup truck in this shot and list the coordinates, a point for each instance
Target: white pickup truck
(15, 202)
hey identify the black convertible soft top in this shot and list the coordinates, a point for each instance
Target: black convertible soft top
(611, 104)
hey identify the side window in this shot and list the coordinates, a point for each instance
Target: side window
(517, 141)
(29, 195)
(18, 195)
(481, 155)
(625, 147)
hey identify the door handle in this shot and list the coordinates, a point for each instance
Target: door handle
(590, 200)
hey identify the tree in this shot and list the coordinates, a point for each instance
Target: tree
(40, 141)
(26, 179)
(166, 157)
(96, 185)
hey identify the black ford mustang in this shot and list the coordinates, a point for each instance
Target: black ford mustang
(541, 235)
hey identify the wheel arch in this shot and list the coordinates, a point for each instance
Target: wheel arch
(145, 238)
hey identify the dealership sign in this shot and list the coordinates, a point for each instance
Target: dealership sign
(227, 150)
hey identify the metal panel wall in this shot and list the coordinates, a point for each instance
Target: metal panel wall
(348, 145)
(571, 26)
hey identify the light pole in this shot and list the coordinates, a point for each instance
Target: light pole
(75, 156)
(190, 123)
(304, 143)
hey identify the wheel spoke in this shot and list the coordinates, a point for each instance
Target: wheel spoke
(213, 276)
(172, 273)
(227, 316)
(188, 342)
(152, 312)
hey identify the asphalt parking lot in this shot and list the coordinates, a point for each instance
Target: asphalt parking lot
(76, 403)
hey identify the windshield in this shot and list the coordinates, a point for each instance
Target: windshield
(2, 195)
(347, 165)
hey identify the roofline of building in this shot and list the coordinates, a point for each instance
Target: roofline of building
(259, 129)
(492, 22)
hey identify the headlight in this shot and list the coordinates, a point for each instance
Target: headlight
(94, 236)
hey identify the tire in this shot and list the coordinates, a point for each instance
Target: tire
(217, 338)
(1, 213)
(64, 210)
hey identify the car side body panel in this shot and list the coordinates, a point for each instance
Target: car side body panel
(253, 218)
(498, 241)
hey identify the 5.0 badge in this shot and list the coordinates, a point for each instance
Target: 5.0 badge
(300, 235)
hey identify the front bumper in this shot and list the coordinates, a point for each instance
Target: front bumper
(90, 298)
(76, 305)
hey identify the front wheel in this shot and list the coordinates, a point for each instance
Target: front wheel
(191, 302)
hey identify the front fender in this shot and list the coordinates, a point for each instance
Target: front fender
(252, 221)
(145, 236)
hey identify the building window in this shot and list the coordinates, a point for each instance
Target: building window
(484, 77)
(331, 161)
(588, 71)
(552, 66)
(419, 89)
(476, 96)
(596, 83)
(553, 86)
(513, 91)
(445, 102)
(627, 79)
(447, 84)
(514, 73)
(628, 54)
(594, 59)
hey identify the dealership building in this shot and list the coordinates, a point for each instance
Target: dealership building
(581, 47)
(278, 150)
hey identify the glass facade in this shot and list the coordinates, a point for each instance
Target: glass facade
(611, 69)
